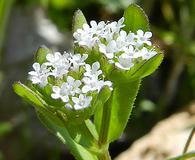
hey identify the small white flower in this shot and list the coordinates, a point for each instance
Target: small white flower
(60, 93)
(143, 38)
(78, 60)
(108, 50)
(147, 54)
(124, 62)
(84, 37)
(72, 86)
(81, 102)
(59, 63)
(92, 84)
(97, 29)
(92, 71)
(39, 75)
(121, 41)
(115, 27)
(129, 50)
(131, 38)
(53, 59)
(59, 71)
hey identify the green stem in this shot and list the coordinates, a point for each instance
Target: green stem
(105, 121)
(185, 156)
(105, 156)
(189, 140)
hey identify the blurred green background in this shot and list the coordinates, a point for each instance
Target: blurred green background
(27, 24)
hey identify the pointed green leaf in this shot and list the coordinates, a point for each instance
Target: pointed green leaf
(135, 19)
(78, 20)
(29, 95)
(138, 71)
(146, 68)
(41, 53)
(62, 133)
(111, 119)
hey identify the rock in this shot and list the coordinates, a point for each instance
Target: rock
(166, 139)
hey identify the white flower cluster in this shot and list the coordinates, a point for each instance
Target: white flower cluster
(120, 47)
(75, 93)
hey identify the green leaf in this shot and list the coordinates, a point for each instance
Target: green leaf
(83, 135)
(62, 133)
(135, 19)
(79, 132)
(146, 68)
(111, 119)
(138, 71)
(78, 20)
(41, 53)
(29, 95)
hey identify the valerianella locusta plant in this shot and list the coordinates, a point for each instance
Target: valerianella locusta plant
(85, 98)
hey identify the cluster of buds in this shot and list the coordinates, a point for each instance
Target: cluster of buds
(121, 48)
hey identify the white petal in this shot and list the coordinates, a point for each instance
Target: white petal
(86, 80)
(78, 107)
(148, 34)
(111, 45)
(55, 96)
(86, 27)
(93, 24)
(102, 48)
(36, 66)
(81, 97)
(84, 57)
(110, 55)
(68, 106)
(121, 20)
(49, 57)
(140, 33)
(123, 34)
(65, 98)
(70, 80)
(35, 80)
(75, 100)
(95, 66)
(56, 89)
(77, 83)
(86, 89)
(87, 67)
(120, 66)
(101, 24)
(33, 73)
(148, 43)
(108, 83)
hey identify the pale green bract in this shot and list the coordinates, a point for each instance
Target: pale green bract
(86, 97)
